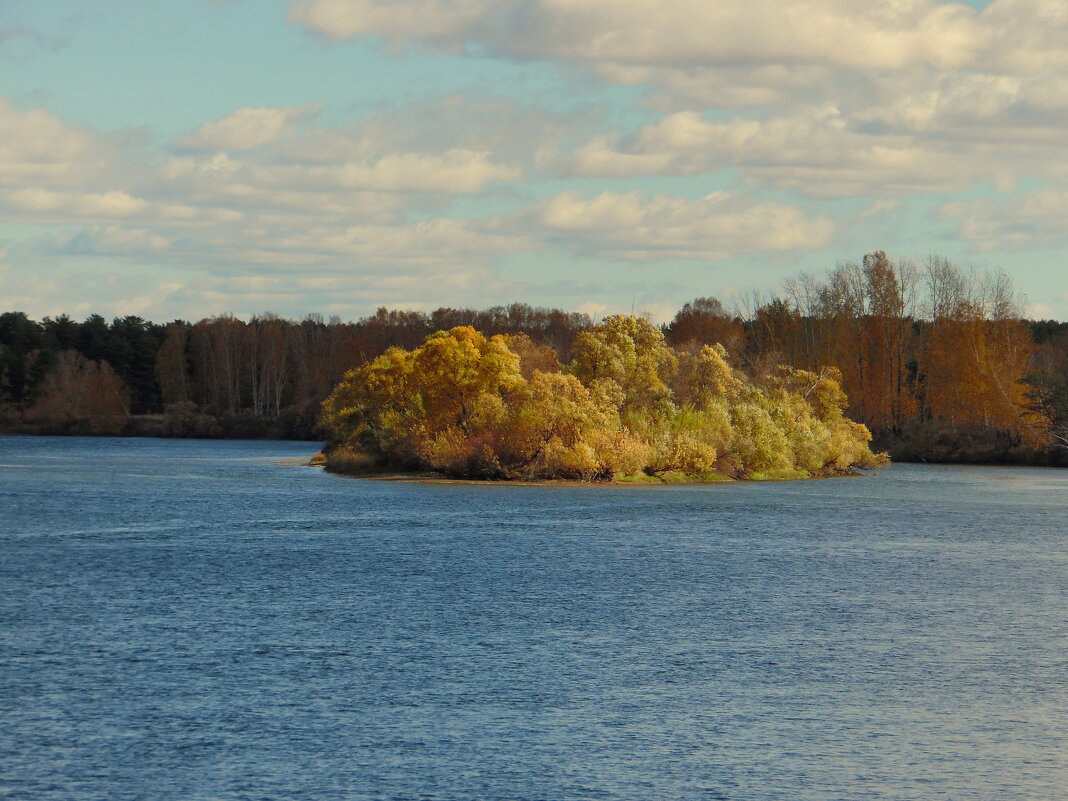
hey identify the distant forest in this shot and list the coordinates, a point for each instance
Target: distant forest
(937, 361)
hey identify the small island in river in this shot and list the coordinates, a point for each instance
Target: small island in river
(627, 408)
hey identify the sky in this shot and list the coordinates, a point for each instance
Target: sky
(181, 160)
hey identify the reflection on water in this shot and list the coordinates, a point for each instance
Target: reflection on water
(189, 619)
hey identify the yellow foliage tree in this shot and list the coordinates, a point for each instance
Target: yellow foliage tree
(466, 406)
(631, 352)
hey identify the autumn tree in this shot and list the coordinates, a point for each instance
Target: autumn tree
(705, 321)
(885, 341)
(82, 396)
(631, 352)
(462, 404)
(859, 318)
(976, 349)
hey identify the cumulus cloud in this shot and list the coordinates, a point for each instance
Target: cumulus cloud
(827, 151)
(250, 196)
(815, 151)
(1014, 35)
(330, 186)
(641, 227)
(1017, 221)
(246, 128)
(720, 86)
(37, 147)
(1040, 311)
(43, 205)
(440, 241)
(274, 210)
(251, 163)
(105, 204)
(969, 107)
(54, 173)
(455, 171)
(830, 98)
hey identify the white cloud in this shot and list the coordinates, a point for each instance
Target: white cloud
(1040, 311)
(879, 208)
(944, 144)
(246, 128)
(600, 157)
(660, 312)
(341, 294)
(1013, 35)
(829, 98)
(375, 155)
(640, 227)
(44, 205)
(970, 107)
(431, 19)
(592, 308)
(99, 204)
(454, 171)
(432, 242)
(720, 86)
(37, 147)
(331, 187)
(254, 207)
(815, 151)
(1016, 221)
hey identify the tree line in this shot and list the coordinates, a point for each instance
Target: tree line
(219, 377)
(937, 361)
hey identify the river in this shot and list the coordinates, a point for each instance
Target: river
(198, 620)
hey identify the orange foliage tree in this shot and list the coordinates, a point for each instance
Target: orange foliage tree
(82, 396)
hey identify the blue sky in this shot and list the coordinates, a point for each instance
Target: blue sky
(332, 156)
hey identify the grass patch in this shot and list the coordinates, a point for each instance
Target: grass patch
(673, 477)
(640, 478)
(779, 475)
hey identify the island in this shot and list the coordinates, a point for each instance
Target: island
(627, 408)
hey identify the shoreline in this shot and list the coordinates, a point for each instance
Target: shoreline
(1061, 463)
(631, 481)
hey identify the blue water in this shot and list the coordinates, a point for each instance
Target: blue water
(194, 620)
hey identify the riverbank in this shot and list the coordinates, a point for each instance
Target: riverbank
(933, 448)
(183, 423)
(668, 478)
(937, 442)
